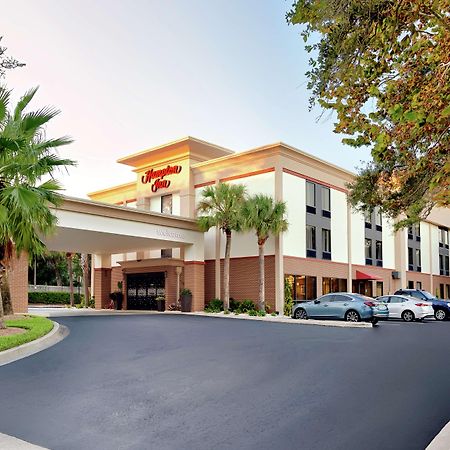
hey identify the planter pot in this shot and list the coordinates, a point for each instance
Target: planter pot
(161, 305)
(186, 302)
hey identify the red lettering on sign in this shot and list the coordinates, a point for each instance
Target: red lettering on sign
(158, 176)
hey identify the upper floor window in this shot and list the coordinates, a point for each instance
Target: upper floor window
(418, 262)
(378, 220)
(326, 203)
(368, 245)
(310, 197)
(379, 251)
(310, 241)
(443, 237)
(368, 219)
(326, 243)
(166, 204)
(410, 258)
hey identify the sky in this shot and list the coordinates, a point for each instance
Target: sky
(130, 75)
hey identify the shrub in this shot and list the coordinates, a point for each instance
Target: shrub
(226, 312)
(246, 306)
(214, 306)
(274, 314)
(234, 304)
(260, 313)
(288, 297)
(54, 298)
(252, 312)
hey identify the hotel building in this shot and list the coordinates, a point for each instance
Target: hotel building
(327, 248)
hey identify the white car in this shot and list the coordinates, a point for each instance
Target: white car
(406, 308)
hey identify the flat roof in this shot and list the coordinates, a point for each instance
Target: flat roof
(202, 148)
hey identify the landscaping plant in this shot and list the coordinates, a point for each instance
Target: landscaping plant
(265, 216)
(220, 206)
(28, 188)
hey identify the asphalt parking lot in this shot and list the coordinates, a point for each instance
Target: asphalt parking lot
(185, 382)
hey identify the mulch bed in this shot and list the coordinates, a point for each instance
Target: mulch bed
(12, 330)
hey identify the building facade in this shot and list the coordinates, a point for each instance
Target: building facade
(327, 248)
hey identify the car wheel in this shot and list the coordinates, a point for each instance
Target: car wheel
(300, 313)
(352, 316)
(440, 314)
(408, 316)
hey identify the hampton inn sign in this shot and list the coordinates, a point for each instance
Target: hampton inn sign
(158, 177)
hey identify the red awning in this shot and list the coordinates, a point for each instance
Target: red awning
(365, 276)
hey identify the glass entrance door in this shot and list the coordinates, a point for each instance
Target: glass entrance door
(143, 288)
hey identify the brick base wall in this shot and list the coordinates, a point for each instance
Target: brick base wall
(244, 279)
(18, 284)
(102, 287)
(194, 279)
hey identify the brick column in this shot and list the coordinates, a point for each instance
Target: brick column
(194, 279)
(18, 283)
(102, 287)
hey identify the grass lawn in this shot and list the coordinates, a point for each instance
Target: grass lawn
(35, 326)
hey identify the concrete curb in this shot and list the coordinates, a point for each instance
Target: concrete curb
(441, 440)
(12, 443)
(278, 319)
(58, 333)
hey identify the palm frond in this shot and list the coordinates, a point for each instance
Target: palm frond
(4, 101)
(23, 103)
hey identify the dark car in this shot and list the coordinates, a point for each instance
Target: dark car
(441, 307)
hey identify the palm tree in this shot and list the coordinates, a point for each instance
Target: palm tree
(27, 186)
(221, 205)
(266, 217)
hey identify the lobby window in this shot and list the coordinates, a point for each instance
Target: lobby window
(326, 202)
(326, 244)
(310, 241)
(368, 250)
(305, 287)
(379, 253)
(379, 288)
(310, 197)
(166, 204)
(410, 284)
(333, 285)
(418, 285)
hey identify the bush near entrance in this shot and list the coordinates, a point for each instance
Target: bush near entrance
(36, 327)
(54, 298)
(243, 307)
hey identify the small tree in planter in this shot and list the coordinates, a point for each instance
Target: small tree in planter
(186, 300)
(117, 296)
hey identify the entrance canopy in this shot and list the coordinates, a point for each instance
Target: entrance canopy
(85, 226)
(364, 276)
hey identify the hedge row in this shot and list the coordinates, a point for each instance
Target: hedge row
(53, 298)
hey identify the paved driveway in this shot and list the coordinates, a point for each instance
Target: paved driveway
(177, 382)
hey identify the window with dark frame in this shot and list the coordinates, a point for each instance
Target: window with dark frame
(326, 202)
(368, 219)
(310, 197)
(166, 204)
(410, 259)
(310, 241)
(304, 287)
(418, 259)
(368, 251)
(379, 251)
(326, 243)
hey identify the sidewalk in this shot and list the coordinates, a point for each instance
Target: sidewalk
(74, 312)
